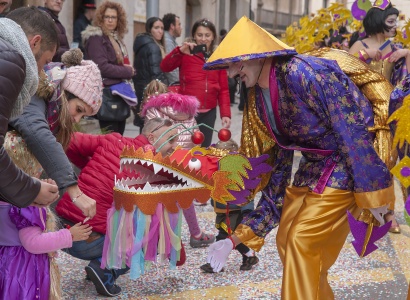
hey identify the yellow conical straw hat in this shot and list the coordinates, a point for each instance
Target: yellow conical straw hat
(245, 41)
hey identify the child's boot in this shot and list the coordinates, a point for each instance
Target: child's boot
(248, 262)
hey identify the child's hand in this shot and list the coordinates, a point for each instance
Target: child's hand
(80, 232)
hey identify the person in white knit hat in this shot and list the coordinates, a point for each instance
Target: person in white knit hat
(67, 92)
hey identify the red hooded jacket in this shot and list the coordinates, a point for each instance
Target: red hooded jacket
(98, 157)
(210, 87)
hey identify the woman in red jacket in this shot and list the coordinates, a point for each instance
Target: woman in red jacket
(210, 87)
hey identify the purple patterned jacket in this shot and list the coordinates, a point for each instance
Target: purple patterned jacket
(319, 111)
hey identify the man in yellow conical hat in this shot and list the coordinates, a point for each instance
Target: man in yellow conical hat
(304, 103)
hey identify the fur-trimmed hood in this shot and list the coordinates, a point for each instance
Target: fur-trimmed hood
(90, 31)
(179, 103)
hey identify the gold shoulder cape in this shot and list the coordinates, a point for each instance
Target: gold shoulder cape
(377, 89)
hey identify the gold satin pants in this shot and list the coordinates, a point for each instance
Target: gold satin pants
(312, 230)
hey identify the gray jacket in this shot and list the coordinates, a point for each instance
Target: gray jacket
(171, 44)
(16, 187)
(35, 130)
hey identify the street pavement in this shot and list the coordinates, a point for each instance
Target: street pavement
(384, 274)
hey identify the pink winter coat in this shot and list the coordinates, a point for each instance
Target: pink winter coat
(180, 109)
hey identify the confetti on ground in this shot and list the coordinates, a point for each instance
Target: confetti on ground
(382, 275)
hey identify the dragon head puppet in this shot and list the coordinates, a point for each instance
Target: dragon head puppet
(145, 220)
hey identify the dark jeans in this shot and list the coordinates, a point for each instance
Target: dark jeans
(235, 218)
(113, 126)
(242, 97)
(91, 251)
(232, 89)
(207, 118)
(87, 251)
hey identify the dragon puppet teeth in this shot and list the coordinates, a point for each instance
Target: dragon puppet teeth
(157, 168)
(148, 172)
(124, 185)
(147, 187)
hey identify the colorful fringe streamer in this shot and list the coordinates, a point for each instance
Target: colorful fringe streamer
(135, 240)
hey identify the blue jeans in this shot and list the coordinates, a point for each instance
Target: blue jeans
(87, 251)
(91, 251)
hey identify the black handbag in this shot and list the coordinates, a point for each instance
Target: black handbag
(113, 107)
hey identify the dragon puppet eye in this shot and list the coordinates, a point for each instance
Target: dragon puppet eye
(194, 164)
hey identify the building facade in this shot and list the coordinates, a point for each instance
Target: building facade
(273, 15)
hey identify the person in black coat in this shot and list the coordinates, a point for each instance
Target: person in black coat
(53, 9)
(85, 16)
(148, 53)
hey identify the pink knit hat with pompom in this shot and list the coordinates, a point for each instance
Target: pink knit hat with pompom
(85, 82)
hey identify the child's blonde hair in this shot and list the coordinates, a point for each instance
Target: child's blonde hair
(22, 157)
(154, 88)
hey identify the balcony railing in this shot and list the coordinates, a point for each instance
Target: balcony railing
(283, 20)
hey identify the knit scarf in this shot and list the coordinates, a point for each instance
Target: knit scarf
(119, 47)
(50, 90)
(13, 34)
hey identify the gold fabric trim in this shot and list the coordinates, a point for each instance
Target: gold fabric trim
(383, 67)
(376, 199)
(256, 138)
(218, 152)
(249, 238)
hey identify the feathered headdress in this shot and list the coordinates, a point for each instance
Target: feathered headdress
(310, 31)
(401, 139)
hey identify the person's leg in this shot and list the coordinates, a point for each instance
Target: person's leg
(103, 279)
(113, 126)
(249, 258)
(395, 227)
(87, 251)
(198, 238)
(105, 126)
(222, 234)
(314, 240)
(242, 97)
(232, 89)
(121, 127)
(291, 205)
(207, 118)
(191, 220)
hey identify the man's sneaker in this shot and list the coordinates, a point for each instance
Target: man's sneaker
(119, 272)
(248, 262)
(103, 279)
(203, 241)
